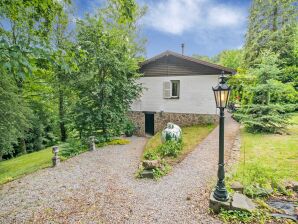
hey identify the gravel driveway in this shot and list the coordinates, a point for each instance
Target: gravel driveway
(99, 187)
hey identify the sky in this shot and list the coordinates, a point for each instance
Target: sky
(206, 27)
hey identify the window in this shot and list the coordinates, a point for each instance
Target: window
(175, 89)
(171, 89)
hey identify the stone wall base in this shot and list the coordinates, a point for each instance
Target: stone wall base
(162, 118)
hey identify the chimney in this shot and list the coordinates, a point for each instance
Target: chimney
(182, 48)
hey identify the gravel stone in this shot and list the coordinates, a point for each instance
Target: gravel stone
(100, 187)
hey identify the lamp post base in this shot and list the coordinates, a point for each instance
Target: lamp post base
(221, 194)
(216, 205)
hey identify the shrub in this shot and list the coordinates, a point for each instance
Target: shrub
(271, 118)
(129, 128)
(119, 142)
(150, 155)
(72, 148)
(160, 172)
(231, 216)
(170, 148)
(115, 141)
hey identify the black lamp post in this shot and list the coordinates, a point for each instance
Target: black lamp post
(221, 93)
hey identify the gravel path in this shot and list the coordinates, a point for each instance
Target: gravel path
(99, 187)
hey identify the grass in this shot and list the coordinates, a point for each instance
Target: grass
(192, 136)
(268, 159)
(25, 164)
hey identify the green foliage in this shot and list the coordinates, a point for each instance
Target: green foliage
(160, 172)
(231, 58)
(113, 142)
(172, 152)
(269, 100)
(192, 136)
(206, 58)
(129, 128)
(240, 84)
(13, 113)
(25, 164)
(271, 118)
(151, 155)
(232, 216)
(43, 72)
(267, 160)
(119, 142)
(24, 43)
(170, 148)
(272, 26)
(72, 148)
(107, 77)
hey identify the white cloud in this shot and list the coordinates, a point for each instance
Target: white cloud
(222, 16)
(178, 16)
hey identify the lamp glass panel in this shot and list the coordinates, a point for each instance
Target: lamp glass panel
(217, 97)
(223, 98)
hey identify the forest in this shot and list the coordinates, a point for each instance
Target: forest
(64, 79)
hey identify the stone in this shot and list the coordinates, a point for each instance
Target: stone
(171, 133)
(293, 185)
(260, 192)
(263, 192)
(284, 206)
(242, 203)
(147, 174)
(216, 205)
(285, 216)
(151, 164)
(237, 186)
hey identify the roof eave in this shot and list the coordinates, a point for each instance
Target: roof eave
(166, 53)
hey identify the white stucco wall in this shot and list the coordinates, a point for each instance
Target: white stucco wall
(196, 95)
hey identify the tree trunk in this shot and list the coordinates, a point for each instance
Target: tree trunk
(23, 146)
(63, 130)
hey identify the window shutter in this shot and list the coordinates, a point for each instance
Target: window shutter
(167, 90)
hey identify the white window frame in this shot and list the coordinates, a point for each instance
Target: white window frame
(168, 89)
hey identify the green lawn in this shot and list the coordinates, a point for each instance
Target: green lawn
(25, 164)
(269, 158)
(192, 136)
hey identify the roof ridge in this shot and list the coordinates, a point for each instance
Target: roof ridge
(168, 52)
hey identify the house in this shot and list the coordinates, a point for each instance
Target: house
(177, 89)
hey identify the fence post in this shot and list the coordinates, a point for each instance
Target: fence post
(91, 143)
(55, 159)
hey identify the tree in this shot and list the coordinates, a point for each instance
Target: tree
(108, 74)
(64, 65)
(25, 31)
(206, 58)
(271, 26)
(231, 58)
(13, 115)
(267, 109)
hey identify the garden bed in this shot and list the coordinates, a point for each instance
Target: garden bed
(191, 137)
